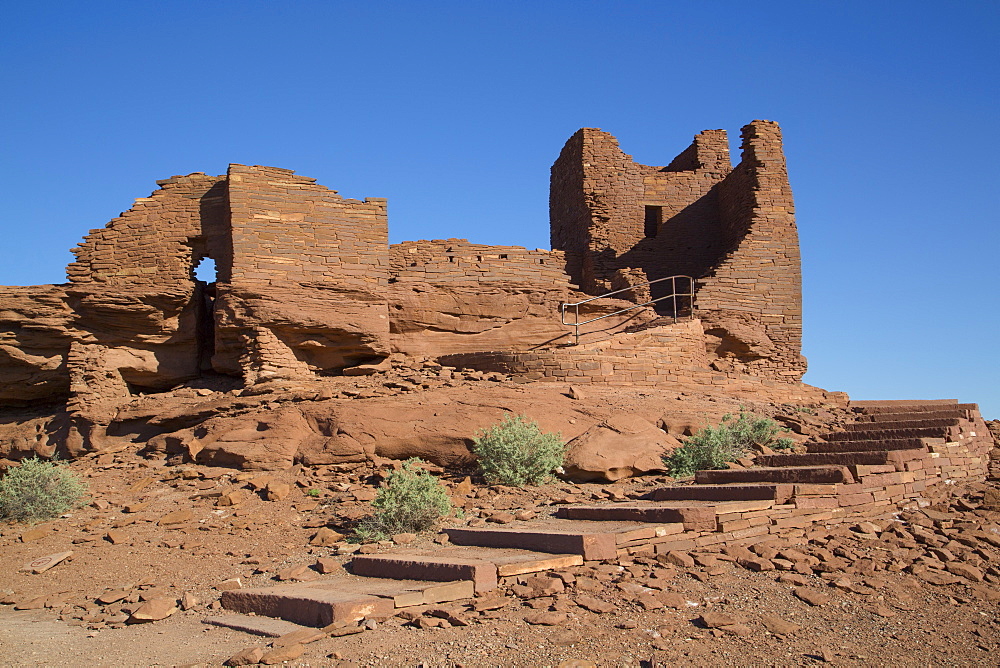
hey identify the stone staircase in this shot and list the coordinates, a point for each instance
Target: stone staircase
(895, 453)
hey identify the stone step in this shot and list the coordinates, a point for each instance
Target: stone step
(782, 474)
(882, 410)
(594, 541)
(868, 458)
(881, 418)
(948, 433)
(693, 517)
(864, 446)
(344, 599)
(483, 574)
(877, 404)
(257, 625)
(480, 565)
(751, 492)
(904, 424)
(308, 604)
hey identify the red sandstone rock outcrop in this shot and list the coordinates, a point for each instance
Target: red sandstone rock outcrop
(620, 447)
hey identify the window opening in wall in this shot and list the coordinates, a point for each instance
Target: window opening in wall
(204, 270)
(503, 257)
(541, 262)
(654, 216)
(451, 258)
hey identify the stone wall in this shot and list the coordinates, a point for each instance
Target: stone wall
(622, 224)
(287, 227)
(310, 268)
(667, 357)
(160, 239)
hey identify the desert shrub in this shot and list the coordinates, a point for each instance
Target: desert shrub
(516, 452)
(714, 447)
(411, 500)
(39, 490)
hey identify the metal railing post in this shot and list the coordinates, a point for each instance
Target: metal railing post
(672, 296)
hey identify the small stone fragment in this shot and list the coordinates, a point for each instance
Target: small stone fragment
(327, 565)
(113, 596)
(779, 626)
(965, 570)
(277, 491)
(594, 604)
(326, 537)
(301, 636)
(231, 583)
(116, 536)
(682, 559)
(154, 610)
(546, 618)
(34, 534)
(251, 656)
(714, 620)
(176, 517)
(189, 601)
(883, 611)
(811, 596)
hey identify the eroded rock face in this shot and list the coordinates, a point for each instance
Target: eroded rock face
(619, 447)
(36, 329)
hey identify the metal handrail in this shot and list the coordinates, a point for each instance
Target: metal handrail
(674, 295)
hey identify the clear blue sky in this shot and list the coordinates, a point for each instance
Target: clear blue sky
(456, 110)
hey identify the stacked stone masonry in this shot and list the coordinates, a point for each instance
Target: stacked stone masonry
(308, 285)
(732, 228)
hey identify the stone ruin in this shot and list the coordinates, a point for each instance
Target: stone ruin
(308, 287)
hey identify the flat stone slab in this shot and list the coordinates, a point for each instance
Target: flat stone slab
(42, 564)
(729, 493)
(307, 604)
(261, 626)
(592, 546)
(865, 458)
(692, 518)
(425, 567)
(783, 474)
(868, 445)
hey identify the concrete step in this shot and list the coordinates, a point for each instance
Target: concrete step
(783, 474)
(864, 446)
(480, 565)
(693, 517)
(594, 541)
(750, 492)
(875, 434)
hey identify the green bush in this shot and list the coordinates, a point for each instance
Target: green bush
(411, 500)
(39, 490)
(714, 447)
(516, 452)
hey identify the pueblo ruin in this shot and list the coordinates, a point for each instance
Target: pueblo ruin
(682, 278)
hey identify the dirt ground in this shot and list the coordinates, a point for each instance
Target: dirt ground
(154, 530)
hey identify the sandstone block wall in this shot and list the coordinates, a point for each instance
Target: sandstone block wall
(287, 227)
(622, 223)
(160, 239)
